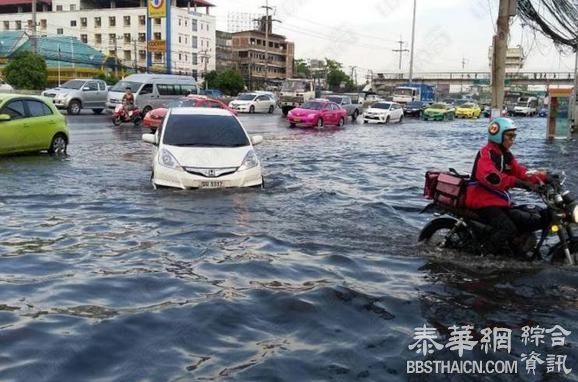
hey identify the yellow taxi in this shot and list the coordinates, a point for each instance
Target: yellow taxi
(468, 110)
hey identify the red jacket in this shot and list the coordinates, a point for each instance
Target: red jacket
(495, 171)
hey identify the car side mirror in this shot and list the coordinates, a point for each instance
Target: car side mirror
(5, 117)
(150, 138)
(255, 139)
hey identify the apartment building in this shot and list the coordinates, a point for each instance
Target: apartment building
(249, 54)
(118, 28)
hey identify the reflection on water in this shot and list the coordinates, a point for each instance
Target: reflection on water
(316, 277)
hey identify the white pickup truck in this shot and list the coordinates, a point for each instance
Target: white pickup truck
(527, 106)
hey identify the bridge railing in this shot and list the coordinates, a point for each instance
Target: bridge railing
(476, 76)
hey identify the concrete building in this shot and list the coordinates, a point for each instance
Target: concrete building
(514, 59)
(224, 56)
(249, 55)
(118, 28)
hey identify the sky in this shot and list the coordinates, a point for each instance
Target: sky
(450, 35)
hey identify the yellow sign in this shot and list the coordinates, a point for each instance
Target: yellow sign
(157, 8)
(157, 46)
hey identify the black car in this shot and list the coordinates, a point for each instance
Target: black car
(414, 108)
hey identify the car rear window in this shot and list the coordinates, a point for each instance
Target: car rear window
(204, 131)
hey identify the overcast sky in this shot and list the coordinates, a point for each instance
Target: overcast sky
(450, 34)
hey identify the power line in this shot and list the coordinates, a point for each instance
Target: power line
(400, 50)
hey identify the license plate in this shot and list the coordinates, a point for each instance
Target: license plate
(211, 184)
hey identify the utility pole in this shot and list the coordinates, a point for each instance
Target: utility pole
(507, 9)
(574, 111)
(267, 8)
(34, 36)
(135, 56)
(115, 57)
(464, 61)
(412, 43)
(400, 50)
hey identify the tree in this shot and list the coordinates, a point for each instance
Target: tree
(302, 69)
(230, 82)
(110, 79)
(26, 70)
(212, 79)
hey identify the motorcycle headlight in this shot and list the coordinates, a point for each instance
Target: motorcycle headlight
(167, 159)
(574, 212)
(250, 161)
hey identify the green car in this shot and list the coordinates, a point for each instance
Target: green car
(439, 112)
(31, 124)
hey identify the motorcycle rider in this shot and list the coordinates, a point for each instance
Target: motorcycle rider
(128, 101)
(495, 171)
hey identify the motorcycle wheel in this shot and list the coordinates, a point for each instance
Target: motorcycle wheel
(116, 121)
(557, 257)
(437, 234)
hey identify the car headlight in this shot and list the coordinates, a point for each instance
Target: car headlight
(250, 161)
(167, 159)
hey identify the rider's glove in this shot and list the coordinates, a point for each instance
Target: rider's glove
(539, 188)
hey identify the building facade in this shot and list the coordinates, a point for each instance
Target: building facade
(224, 56)
(514, 59)
(118, 28)
(249, 54)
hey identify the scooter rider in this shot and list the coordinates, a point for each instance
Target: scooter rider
(128, 101)
(495, 171)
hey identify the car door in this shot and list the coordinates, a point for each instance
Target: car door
(102, 94)
(40, 124)
(90, 94)
(13, 132)
(261, 104)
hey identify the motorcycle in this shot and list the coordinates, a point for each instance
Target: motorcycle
(120, 115)
(461, 229)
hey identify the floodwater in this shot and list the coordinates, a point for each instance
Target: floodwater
(315, 278)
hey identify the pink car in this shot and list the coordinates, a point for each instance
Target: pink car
(318, 112)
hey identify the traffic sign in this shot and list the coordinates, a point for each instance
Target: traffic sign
(157, 46)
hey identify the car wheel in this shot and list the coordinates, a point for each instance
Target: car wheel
(320, 123)
(364, 121)
(386, 120)
(74, 107)
(341, 122)
(355, 115)
(58, 145)
(271, 109)
(97, 111)
(252, 109)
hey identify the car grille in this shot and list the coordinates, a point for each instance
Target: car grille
(210, 172)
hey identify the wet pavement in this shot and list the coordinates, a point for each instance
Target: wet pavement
(315, 278)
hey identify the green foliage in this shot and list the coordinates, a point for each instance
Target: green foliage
(230, 82)
(109, 78)
(332, 64)
(26, 70)
(302, 69)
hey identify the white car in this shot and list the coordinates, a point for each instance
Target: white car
(204, 148)
(252, 103)
(383, 112)
(5, 88)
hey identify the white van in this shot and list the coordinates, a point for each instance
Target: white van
(151, 90)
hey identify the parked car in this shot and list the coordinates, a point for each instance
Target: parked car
(154, 118)
(414, 108)
(152, 90)
(383, 112)
(468, 110)
(31, 124)
(78, 94)
(318, 113)
(253, 103)
(353, 109)
(201, 147)
(439, 112)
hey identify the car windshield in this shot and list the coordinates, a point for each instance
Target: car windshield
(438, 106)
(73, 84)
(246, 97)
(385, 106)
(204, 131)
(337, 100)
(295, 86)
(122, 85)
(404, 92)
(468, 106)
(184, 103)
(313, 105)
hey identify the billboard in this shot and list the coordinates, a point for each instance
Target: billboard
(157, 46)
(157, 8)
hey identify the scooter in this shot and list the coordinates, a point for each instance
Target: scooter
(120, 115)
(462, 229)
